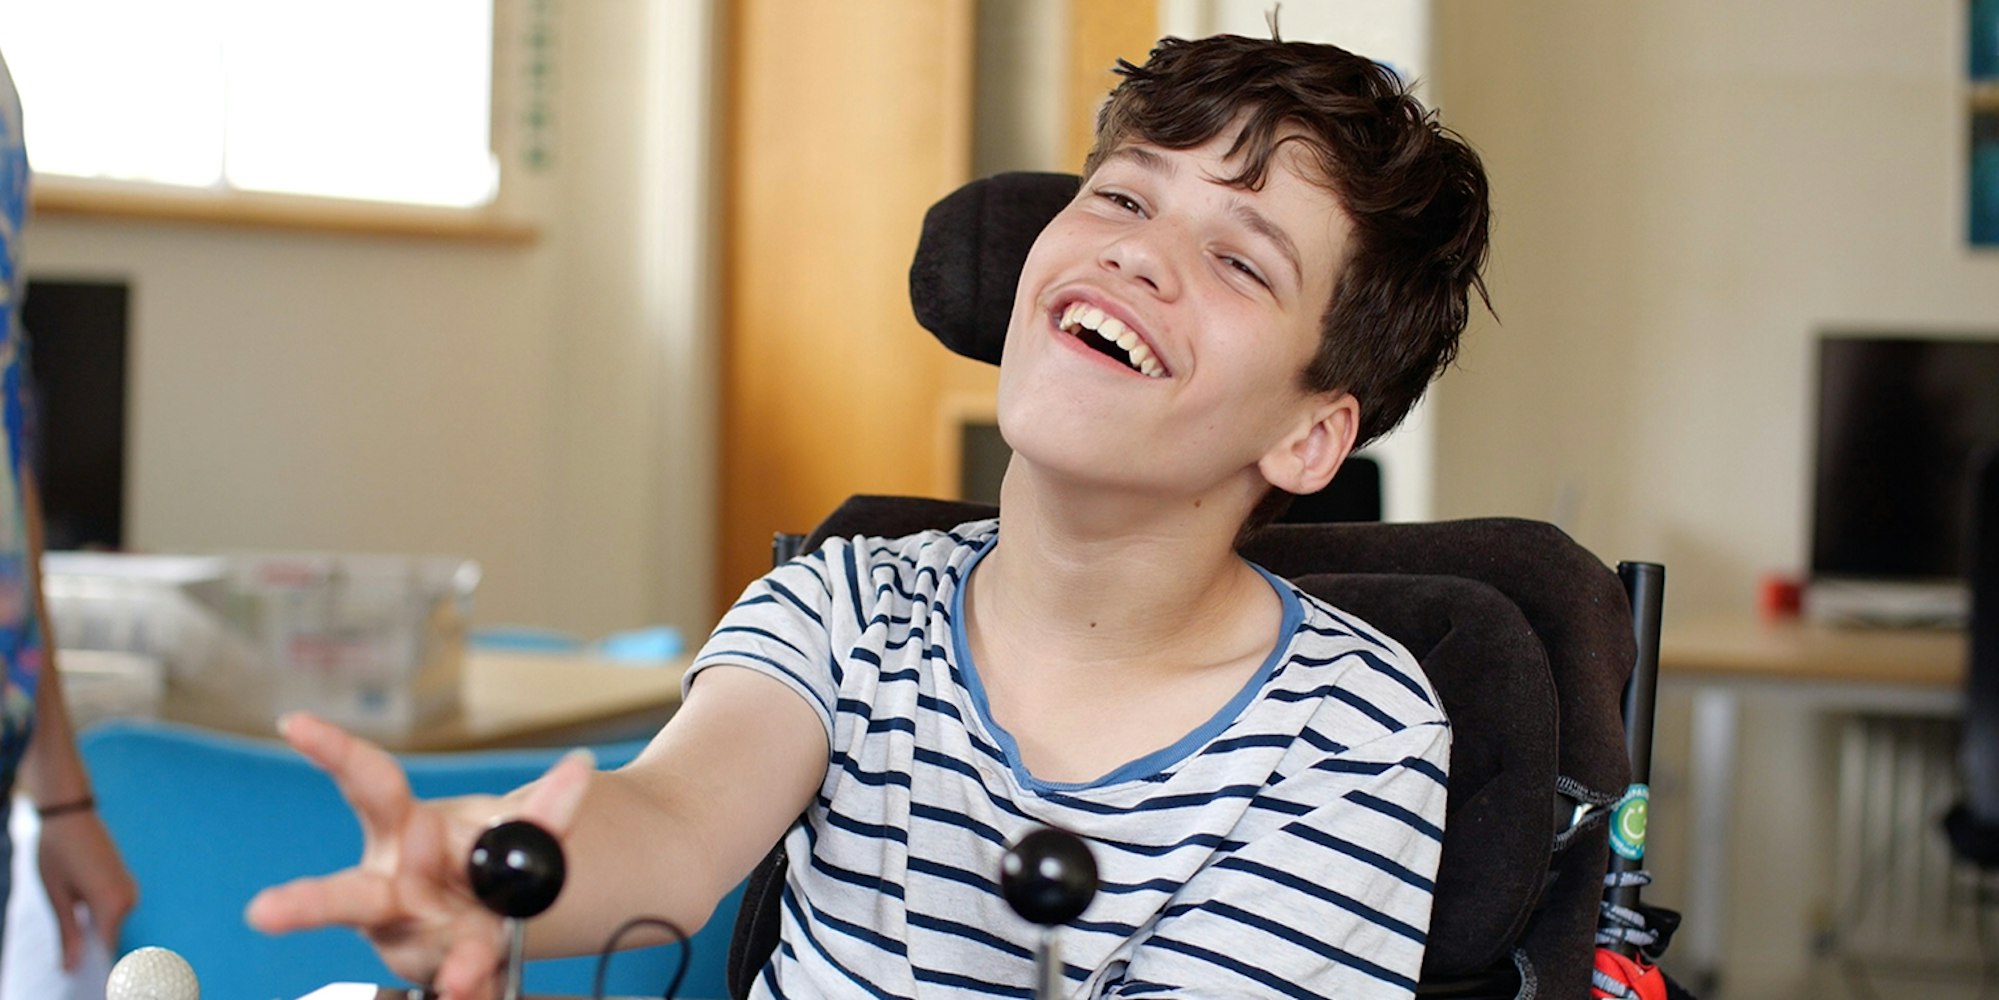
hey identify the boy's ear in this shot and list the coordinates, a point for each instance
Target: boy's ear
(1305, 460)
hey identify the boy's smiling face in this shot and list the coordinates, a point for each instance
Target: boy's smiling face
(1215, 294)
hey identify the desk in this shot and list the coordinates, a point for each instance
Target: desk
(1743, 648)
(520, 699)
(1721, 658)
(514, 699)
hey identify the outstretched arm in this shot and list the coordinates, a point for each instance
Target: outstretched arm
(666, 835)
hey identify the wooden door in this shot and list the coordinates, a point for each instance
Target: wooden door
(844, 122)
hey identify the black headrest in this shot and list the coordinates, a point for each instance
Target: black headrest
(969, 257)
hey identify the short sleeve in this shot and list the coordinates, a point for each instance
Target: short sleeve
(779, 628)
(1334, 902)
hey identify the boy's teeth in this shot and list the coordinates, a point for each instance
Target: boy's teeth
(1112, 330)
(1146, 363)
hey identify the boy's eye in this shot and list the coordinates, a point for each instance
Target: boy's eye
(1244, 266)
(1122, 201)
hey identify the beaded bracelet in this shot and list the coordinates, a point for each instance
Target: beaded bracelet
(84, 804)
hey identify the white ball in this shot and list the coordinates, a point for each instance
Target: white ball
(152, 974)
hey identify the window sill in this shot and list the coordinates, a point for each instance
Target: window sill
(57, 198)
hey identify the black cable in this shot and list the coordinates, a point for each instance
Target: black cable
(657, 923)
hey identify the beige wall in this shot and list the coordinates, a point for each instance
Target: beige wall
(545, 409)
(1686, 193)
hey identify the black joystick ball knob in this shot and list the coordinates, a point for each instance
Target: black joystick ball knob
(516, 869)
(1049, 877)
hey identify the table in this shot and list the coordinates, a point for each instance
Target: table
(1919, 671)
(519, 699)
(1742, 648)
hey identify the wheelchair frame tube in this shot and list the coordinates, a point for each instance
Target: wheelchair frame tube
(1645, 586)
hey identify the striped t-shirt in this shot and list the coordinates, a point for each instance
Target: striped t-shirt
(1287, 847)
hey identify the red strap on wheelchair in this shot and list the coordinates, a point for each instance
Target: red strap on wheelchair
(1639, 979)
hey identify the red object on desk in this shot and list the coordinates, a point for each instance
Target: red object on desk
(1779, 597)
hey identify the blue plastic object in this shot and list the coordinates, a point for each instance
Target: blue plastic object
(206, 820)
(524, 639)
(642, 645)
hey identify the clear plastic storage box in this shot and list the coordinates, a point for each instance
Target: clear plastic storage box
(374, 643)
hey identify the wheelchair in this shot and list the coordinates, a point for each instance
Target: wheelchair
(1529, 640)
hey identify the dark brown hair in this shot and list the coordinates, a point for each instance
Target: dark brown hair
(1414, 191)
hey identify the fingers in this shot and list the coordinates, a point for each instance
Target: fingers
(469, 967)
(352, 898)
(368, 777)
(110, 898)
(72, 935)
(409, 891)
(80, 865)
(110, 918)
(554, 800)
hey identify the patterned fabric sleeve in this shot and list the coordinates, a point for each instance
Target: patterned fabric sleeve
(1334, 903)
(779, 628)
(20, 636)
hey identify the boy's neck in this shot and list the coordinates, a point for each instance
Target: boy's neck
(1091, 603)
(1101, 578)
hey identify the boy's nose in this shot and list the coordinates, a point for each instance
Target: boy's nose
(1141, 257)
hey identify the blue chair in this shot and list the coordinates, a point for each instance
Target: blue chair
(206, 820)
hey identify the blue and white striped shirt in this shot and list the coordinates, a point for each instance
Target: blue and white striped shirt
(1287, 847)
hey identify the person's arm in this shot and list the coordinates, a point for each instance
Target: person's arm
(1335, 903)
(667, 835)
(672, 832)
(78, 862)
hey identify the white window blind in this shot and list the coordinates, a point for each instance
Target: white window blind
(380, 100)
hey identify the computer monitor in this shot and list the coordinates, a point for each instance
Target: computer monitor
(77, 356)
(1900, 419)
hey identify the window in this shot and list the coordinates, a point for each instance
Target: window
(381, 100)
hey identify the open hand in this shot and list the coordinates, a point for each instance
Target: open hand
(409, 893)
(80, 865)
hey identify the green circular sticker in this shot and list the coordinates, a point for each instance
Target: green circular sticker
(1627, 824)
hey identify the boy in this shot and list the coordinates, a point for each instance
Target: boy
(1270, 257)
